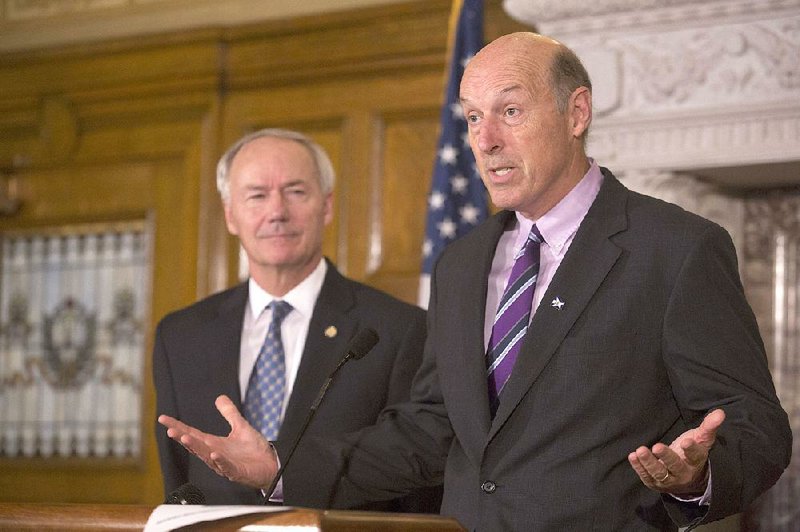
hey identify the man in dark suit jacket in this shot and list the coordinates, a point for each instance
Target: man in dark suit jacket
(276, 187)
(640, 334)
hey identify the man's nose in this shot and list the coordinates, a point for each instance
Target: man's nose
(277, 208)
(488, 137)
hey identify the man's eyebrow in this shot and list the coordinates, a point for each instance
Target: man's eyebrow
(512, 88)
(294, 183)
(506, 90)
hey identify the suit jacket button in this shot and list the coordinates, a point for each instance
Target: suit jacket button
(488, 486)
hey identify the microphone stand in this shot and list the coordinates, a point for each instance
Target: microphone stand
(311, 413)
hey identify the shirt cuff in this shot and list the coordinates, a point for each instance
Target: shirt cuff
(277, 494)
(704, 500)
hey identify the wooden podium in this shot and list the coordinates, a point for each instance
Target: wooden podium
(118, 517)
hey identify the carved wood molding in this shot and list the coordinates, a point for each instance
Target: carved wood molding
(31, 24)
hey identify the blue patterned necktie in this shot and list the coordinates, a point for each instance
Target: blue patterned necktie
(511, 320)
(263, 401)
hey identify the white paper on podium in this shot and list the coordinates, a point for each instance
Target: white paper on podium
(171, 516)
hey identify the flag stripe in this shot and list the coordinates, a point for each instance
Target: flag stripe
(457, 199)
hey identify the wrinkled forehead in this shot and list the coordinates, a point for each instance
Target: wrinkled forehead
(508, 63)
(276, 157)
(504, 77)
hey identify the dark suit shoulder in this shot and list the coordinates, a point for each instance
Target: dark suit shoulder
(207, 308)
(660, 222)
(648, 207)
(643, 218)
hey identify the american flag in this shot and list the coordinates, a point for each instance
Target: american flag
(457, 200)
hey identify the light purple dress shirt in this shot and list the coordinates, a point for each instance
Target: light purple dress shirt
(557, 226)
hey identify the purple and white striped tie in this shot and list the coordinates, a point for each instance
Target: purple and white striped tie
(511, 320)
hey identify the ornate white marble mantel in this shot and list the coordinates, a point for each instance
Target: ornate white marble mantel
(687, 85)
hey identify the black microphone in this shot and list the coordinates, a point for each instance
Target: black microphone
(186, 494)
(361, 344)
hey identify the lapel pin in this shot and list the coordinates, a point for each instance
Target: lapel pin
(331, 331)
(557, 303)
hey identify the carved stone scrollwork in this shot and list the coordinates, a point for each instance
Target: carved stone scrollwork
(766, 215)
(549, 10)
(711, 68)
(577, 16)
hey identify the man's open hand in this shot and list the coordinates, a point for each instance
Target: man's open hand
(243, 456)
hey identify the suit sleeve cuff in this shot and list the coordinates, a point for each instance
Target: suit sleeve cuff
(704, 500)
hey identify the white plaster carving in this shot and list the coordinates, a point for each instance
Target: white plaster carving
(698, 140)
(706, 68)
(548, 10)
(572, 17)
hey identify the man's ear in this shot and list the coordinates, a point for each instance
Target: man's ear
(580, 109)
(328, 208)
(226, 208)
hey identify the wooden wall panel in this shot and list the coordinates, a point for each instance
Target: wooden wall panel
(408, 154)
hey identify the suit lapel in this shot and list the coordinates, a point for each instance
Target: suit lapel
(587, 262)
(465, 370)
(322, 352)
(227, 331)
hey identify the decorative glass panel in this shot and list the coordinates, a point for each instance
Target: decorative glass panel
(73, 306)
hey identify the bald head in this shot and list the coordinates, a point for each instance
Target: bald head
(545, 62)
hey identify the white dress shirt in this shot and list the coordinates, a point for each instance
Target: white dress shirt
(294, 329)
